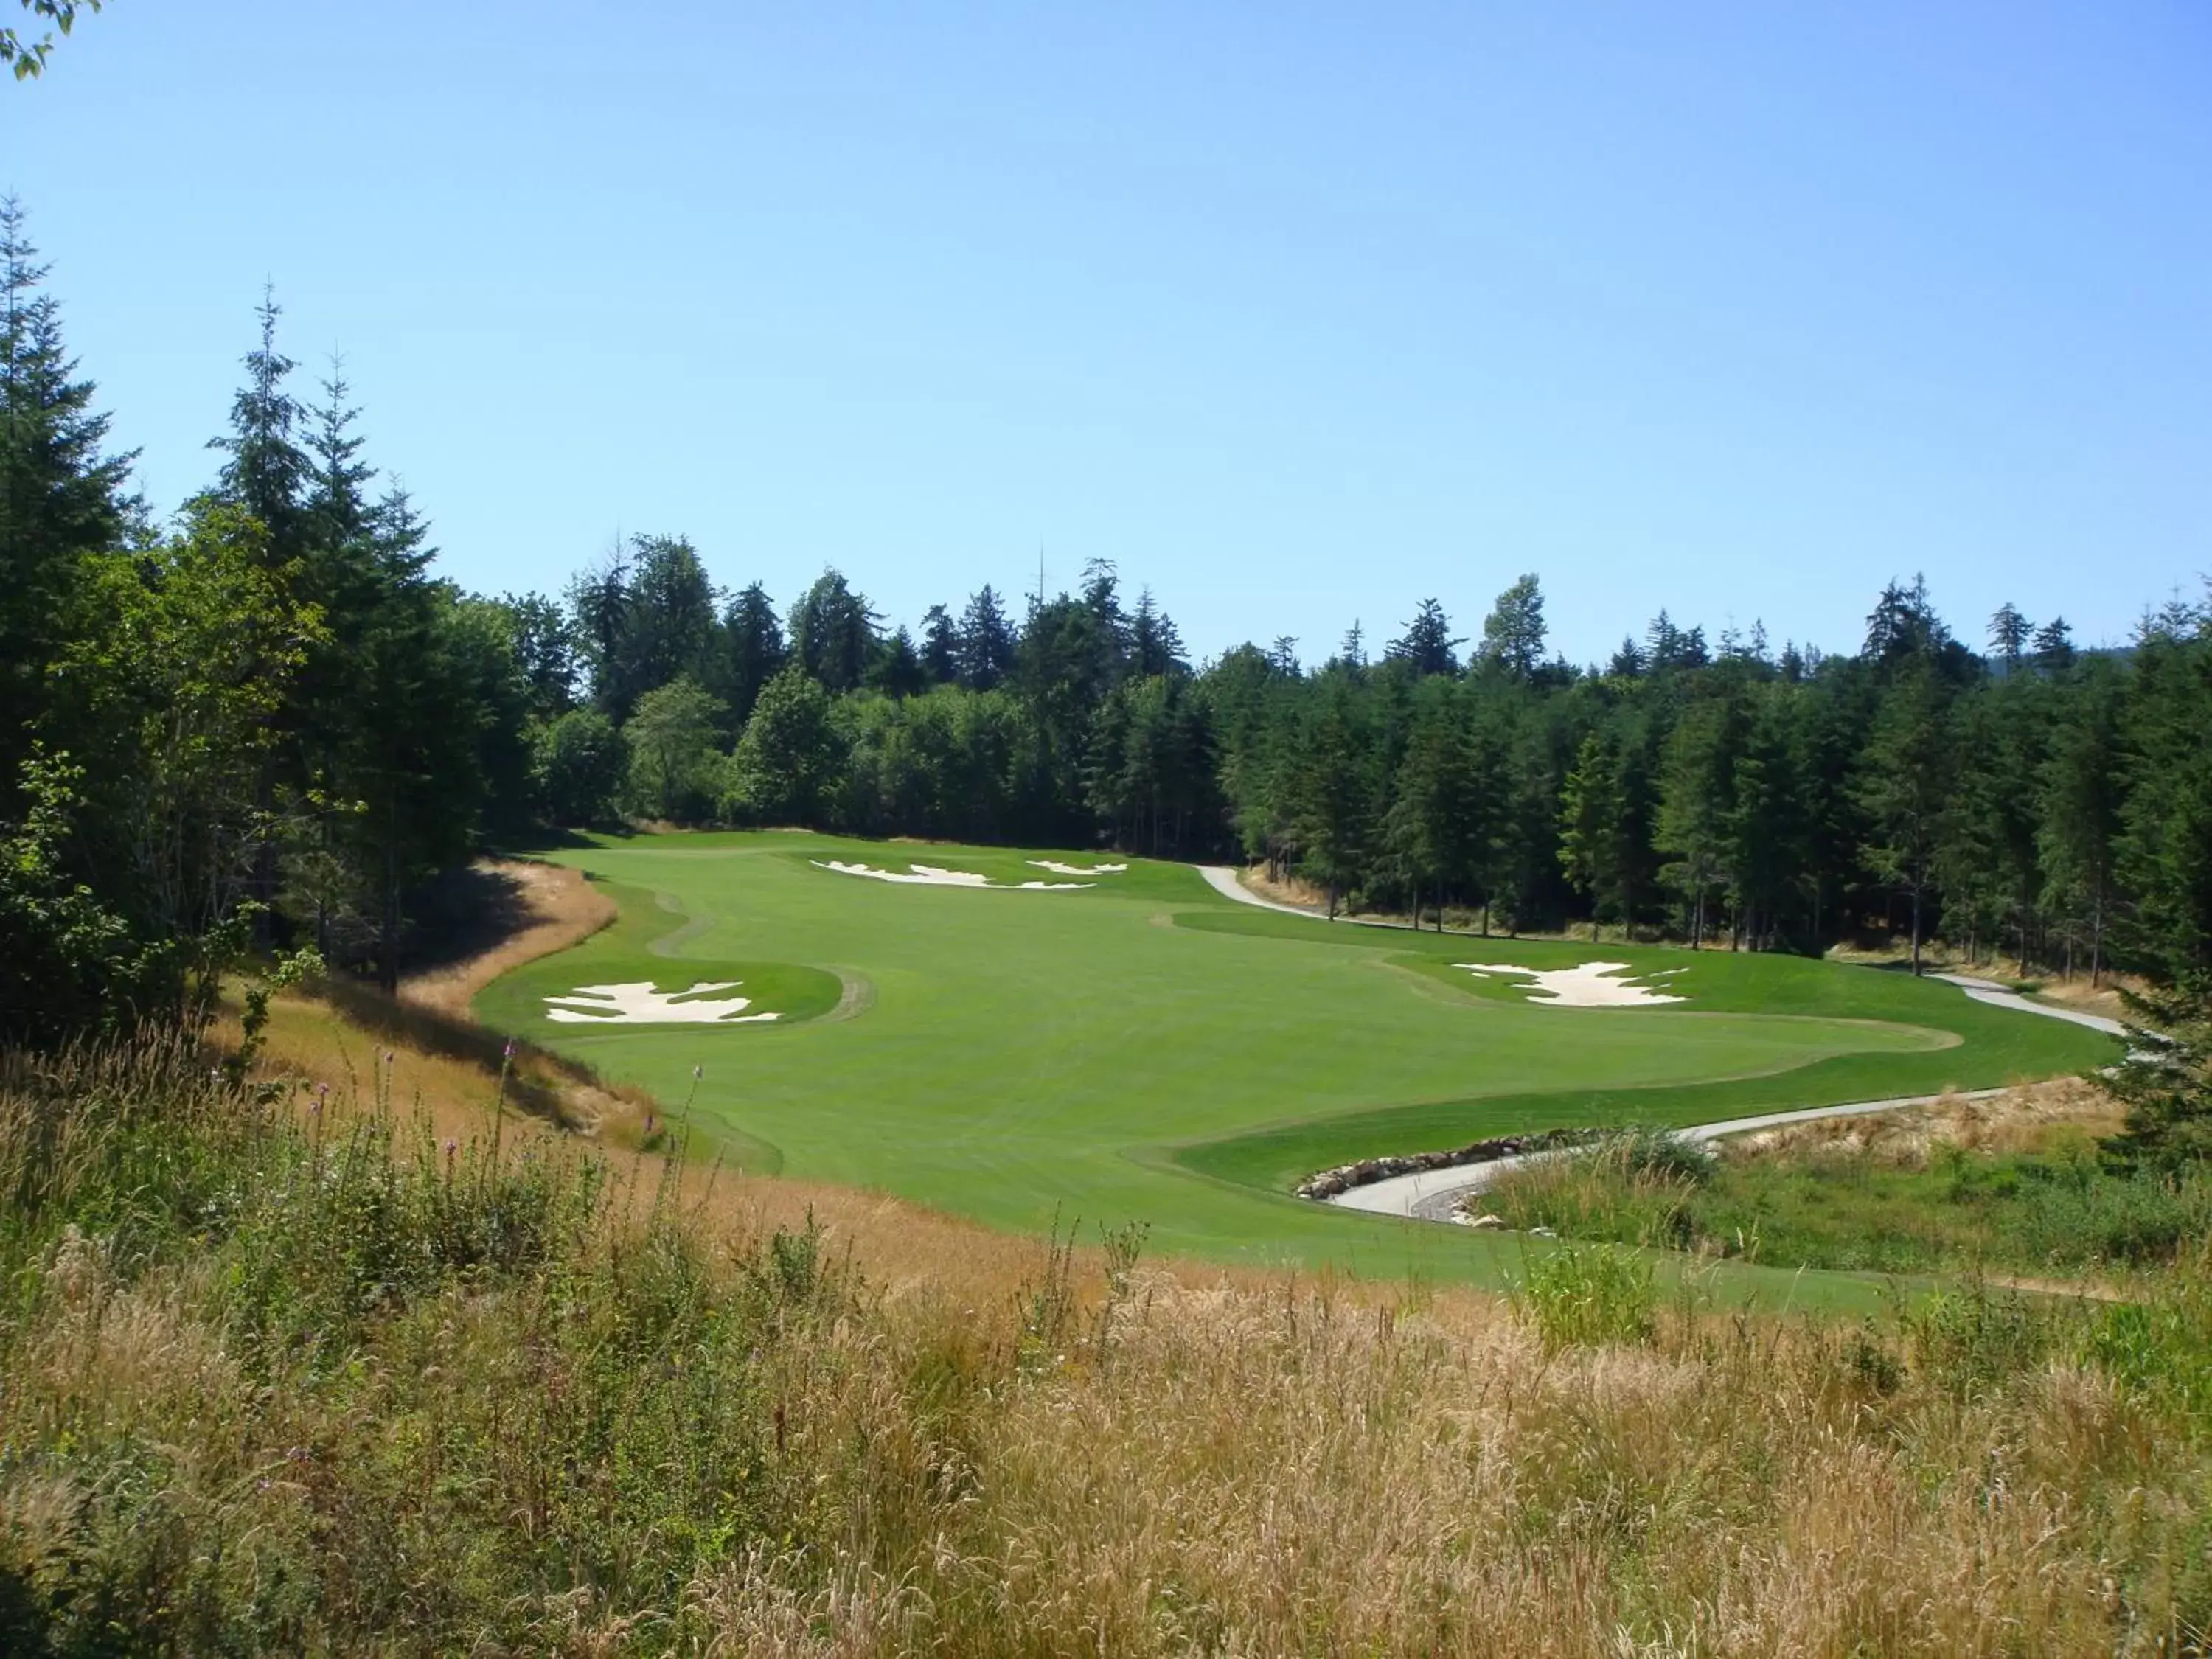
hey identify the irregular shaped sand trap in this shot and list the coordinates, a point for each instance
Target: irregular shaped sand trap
(1059, 869)
(639, 1004)
(929, 875)
(1586, 985)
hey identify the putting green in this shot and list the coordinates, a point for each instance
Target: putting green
(1142, 1049)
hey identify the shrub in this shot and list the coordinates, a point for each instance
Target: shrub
(1660, 1153)
(1589, 1295)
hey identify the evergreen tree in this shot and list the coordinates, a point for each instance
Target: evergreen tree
(668, 621)
(1432, 821)
(1606, 809)
(2009, 634)
(1332, 803)
(545, 652)
(1427, 646)
(1155, 643)
(268, 472)
(751, 652)
(62, 497)
(2080, 798)
(1697, 806)
(2165, 847)
(985, 647)
(941, 645)
(897, 672)
(833, 633)
(2054, 646)
(1906, 784)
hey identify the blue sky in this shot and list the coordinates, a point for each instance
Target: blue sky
(1297, 312)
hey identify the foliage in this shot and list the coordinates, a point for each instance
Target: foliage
(29, 58)
(2166, 1083)
(788, 758)
(1589, 1295)
(675, 771)
(2055, 1210)
(581, 763)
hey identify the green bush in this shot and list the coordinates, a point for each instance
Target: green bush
(1587, 1295)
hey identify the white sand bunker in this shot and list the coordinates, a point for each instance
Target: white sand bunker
(1059, 869)
(929, 875)
(640, 1004)
(1586, 985)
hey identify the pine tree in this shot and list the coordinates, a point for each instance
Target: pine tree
(1697, 805)
(1427, 646)
(986, 646)
(896, 670)
(1905, 786)
(1155, 643)
(267, 473)
(941, 645)
(2078, 808)
(751, 652)
(61, 498)
(2009, 633)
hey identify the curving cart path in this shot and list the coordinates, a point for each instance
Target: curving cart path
(1434, 1195)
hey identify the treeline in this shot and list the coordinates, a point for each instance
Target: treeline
(2029, 800)
(262, 728)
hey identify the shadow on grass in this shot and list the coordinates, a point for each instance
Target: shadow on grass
(535, 1076)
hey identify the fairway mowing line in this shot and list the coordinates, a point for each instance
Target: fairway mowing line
(668, 943)
(857, 996)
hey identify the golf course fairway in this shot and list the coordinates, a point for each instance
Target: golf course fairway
(1138, 1047)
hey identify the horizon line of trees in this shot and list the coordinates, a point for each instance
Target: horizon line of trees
(265, 726)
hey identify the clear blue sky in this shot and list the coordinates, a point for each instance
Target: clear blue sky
(1299, 312)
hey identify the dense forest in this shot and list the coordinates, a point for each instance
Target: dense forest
(256, 729)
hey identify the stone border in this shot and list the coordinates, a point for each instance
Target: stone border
(1332, 1183)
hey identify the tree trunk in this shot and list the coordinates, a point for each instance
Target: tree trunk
(1916, 931)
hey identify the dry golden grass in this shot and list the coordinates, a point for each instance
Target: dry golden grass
(2028, 1119)
(1285, 1471)
(1187, 1463)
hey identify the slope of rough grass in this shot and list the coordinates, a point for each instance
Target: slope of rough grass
(1022, 1056)
(287, 1386)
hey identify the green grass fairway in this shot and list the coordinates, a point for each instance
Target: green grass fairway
(1145, 1049)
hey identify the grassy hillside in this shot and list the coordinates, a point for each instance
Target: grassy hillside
(1143, 1049)
(290, 1380)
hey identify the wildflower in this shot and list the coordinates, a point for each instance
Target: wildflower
(698, 1071)
(510, 1048)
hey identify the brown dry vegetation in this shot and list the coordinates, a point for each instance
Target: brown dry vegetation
(2025, 1119)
